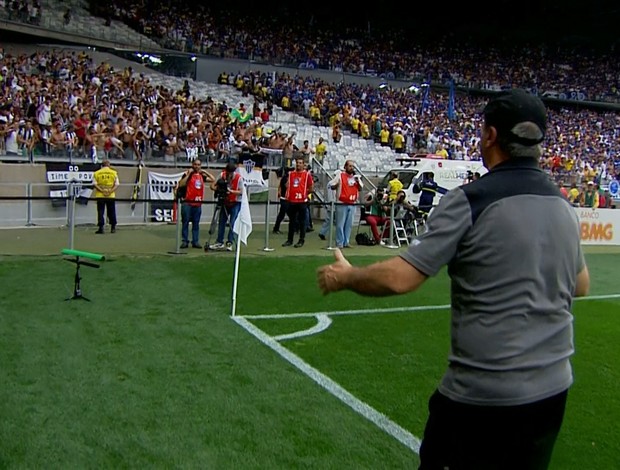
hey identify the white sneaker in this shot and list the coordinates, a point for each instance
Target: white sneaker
(229, 246)
(382, 243)
(216, 246)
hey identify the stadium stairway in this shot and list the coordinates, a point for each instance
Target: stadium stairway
(84, 24)
(372, 159)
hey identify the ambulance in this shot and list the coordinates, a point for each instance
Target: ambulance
(448, 174)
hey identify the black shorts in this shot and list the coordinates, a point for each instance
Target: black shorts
(461, 436)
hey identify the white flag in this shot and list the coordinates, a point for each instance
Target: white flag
(243, 224)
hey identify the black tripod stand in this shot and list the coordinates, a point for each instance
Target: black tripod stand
(215, 222)
(77, 290)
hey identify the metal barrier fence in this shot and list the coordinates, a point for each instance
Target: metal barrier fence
(30, 204)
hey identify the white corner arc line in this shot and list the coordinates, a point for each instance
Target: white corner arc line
(368, 412)
(323, 322)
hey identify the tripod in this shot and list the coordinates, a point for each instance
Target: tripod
(215, 222)
(77, 290)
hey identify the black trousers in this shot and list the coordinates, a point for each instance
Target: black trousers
(297, 220)
(281, 213)
(460, 436)
(106, 204)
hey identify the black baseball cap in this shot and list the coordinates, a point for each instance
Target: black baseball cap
(512, 107)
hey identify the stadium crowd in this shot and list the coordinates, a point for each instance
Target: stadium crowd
(299, 39)
(556, 69)
(62, 103)
(59, 103)
(581, 145)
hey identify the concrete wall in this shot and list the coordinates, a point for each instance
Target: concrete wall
(208, 69)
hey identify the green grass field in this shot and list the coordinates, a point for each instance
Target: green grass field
(154, 373)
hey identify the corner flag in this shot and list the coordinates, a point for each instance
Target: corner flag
(243, 224)
(243, 228)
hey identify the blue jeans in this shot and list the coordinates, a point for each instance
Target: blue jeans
(327, 222)
(344, 223)
(227, 214)
(191, 214)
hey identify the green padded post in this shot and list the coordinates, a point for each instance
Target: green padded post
(83, 254)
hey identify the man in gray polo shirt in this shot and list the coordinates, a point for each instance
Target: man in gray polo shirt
(512, 247)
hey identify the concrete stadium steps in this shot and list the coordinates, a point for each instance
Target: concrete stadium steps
(83, 23)
(369, 157)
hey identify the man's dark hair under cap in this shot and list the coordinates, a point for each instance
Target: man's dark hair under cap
(512, 107)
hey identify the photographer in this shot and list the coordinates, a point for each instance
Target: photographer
(376, 213)
(347, 185)
(191, 190)
(228, 191)
(471, 176)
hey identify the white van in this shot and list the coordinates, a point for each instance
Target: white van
(448, 174)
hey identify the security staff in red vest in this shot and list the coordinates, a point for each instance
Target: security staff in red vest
(299, 186)
(347, 185)
(192, 187)
(229, 210)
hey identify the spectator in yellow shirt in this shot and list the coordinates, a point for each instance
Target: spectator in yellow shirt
(398, 142)
(384, 137)
(320, 150)
(573, 194)
(441, 151)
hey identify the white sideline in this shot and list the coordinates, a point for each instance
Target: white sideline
(368, 412)
(348, 312)
(416, 308)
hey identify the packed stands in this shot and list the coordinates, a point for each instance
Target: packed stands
(555, 69)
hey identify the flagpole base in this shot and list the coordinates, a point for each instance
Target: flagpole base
(331, 248)
(268, 249)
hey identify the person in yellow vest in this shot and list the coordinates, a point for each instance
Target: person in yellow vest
(106, 182)
(394, 185)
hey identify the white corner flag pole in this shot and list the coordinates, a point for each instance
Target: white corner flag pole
(235, 278)
(243, 228)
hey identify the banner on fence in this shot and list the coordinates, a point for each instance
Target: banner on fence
(161, 188)
(60, 174)
(251, 168)
(599, 226)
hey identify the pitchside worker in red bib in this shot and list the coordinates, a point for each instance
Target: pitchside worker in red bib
(192, 185)
(231, 207)
(298, 188)
(500, 404)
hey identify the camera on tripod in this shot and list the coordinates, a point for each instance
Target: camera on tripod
(221, 190)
